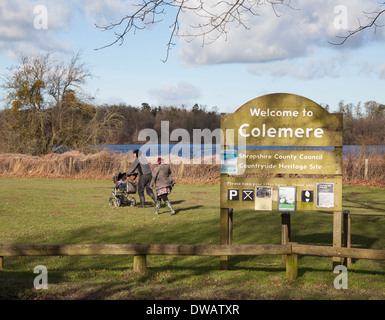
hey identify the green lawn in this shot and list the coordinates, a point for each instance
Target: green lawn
(43, 211)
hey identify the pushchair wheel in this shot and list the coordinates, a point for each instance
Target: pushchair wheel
(117, 202)
(133, 202)
(111, 201)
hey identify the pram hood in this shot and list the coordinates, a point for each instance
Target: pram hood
(119, 176)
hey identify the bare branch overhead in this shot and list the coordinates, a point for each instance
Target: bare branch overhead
(213, 19)
(372, 22)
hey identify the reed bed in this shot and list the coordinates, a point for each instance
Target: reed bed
(105, 164)
(354, 166)
(364, 168)
(99, 166)
(68, 164)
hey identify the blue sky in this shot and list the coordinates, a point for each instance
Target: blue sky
(289, 54)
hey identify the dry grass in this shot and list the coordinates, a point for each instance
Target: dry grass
(69, 164)
(103, 165)
(354, 166)
(99, 166)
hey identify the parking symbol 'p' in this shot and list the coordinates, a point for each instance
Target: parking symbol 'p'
(233, 194)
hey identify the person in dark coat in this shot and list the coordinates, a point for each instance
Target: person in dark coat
(145, 176)
(162, 181)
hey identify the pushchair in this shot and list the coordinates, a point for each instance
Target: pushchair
(123, 188)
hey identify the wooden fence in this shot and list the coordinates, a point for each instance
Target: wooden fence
(140, 251)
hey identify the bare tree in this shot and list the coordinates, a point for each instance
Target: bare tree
(212, 19)
(47, 109)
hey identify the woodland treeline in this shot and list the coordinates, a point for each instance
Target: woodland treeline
(364, 123)
(135, 119)
(127, 122)
(45, 109)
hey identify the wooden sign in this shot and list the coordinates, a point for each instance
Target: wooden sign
(298, 137)
(295, 138)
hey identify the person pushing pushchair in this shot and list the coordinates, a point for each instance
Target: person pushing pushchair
(145, 176)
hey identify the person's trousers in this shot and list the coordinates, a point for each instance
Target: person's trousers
(144, 184)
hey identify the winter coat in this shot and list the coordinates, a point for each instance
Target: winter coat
(141, 164)
(161, 177)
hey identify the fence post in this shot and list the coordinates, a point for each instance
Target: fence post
(18, 163)
(291, 266)
(181, 170)
(366, 168)
(140, 263)
(70, 165)
(226, 226)
(337, 238)
(231, 223)
(347, 238)
(285, 230)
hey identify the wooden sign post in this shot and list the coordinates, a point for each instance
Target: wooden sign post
(281, 152)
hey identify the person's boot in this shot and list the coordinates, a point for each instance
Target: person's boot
(142, 201)
(157, 207)
(172, 212)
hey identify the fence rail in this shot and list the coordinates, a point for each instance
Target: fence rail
(324, 251)
(140, 251)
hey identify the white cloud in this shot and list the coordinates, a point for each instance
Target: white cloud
(18, 30)
(306, 68)
(382, 71)
(295, 33)
(170, 95)
(104, 12)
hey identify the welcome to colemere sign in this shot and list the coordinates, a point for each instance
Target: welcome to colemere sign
(278, 137)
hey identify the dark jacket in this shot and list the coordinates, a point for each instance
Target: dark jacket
(161, 177)
(142, 165)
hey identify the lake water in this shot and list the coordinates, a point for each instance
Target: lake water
(188, 150)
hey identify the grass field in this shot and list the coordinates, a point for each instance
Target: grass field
(44, 211)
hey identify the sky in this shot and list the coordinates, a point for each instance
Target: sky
(283, 50)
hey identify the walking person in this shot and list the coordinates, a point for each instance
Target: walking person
(163, 182)
(145, 176)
